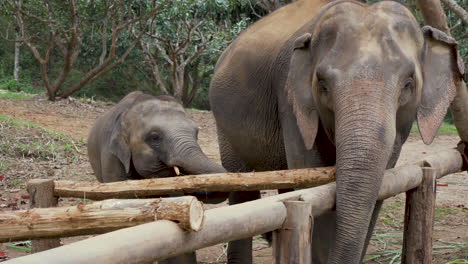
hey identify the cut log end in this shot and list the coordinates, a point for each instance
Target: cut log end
(196, 215)
(187, 211)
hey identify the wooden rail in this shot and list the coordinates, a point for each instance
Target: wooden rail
(221, 182)
(99, 217)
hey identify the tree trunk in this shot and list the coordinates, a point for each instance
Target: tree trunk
(17, 46)
(17, 57)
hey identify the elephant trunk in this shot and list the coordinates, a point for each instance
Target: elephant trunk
(365, 134)
(193, 161)
(196, 162)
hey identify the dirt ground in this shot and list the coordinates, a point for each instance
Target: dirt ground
(73, 119)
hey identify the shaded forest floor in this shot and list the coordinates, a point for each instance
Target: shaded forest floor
(40, 139)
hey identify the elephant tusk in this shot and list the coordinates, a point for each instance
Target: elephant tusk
(177, 171)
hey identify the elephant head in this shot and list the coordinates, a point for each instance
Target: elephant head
(156, 138)
(366, 72)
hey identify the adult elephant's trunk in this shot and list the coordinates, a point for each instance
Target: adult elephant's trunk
(365, 132)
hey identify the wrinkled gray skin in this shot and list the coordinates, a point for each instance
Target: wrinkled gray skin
(321, 84)
(146, 137)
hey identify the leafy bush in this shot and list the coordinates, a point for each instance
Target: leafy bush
(12, 85)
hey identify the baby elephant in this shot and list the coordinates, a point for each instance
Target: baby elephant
(146, 137)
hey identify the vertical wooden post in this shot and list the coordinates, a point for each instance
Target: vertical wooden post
(419, 220)
(292, 242)
(41, 193)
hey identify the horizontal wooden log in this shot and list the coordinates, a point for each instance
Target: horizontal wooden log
(223, 182)
(98, 217)
(395, 181)
(163, 239)
(444, 162)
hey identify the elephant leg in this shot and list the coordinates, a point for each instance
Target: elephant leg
(187, 258)
(240, 251)
(323, 237)
(112, 169)
(375, 215)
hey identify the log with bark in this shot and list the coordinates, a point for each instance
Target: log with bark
(99, 217)
(41, 193)
(222, 182)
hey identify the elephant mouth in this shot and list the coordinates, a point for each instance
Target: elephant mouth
(169, 172)
(159, 170)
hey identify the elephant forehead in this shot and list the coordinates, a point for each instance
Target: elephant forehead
(150, 108)
(376, 30)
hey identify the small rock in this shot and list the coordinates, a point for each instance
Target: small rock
(15, 190)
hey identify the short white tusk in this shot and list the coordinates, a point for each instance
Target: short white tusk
(177, 171)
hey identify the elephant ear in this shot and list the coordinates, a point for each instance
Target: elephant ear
(442, 69)
(299, 90)
(119, 145)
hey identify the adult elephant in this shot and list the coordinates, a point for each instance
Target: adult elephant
(320, 84)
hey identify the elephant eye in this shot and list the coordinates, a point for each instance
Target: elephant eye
(322, 86)
(409, 84)
(407, 91)
(153, 136)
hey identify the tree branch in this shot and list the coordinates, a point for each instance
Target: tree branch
(454, 7)
(100, 70)
(152, 61)
(456, 25)
(164, 53)
(104, 38)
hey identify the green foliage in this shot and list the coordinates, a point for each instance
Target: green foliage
(447, 128)
(14, 95)
(222, 21)
(15, 86)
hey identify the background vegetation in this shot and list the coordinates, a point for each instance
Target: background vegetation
(157, 46)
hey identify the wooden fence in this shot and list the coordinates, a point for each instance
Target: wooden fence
(288, 215)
